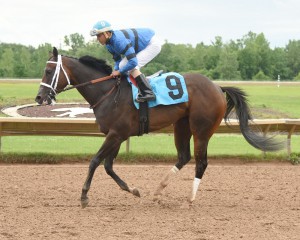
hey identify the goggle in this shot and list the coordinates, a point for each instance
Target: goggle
(94, 32)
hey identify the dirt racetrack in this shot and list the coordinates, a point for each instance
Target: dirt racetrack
(235, 201)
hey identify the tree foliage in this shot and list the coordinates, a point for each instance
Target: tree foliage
(248, 58)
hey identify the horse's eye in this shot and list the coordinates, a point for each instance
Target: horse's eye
(48, 71)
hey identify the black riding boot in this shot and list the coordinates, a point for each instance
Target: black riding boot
(145, 91)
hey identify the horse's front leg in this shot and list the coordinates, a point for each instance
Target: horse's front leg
(95, 162)
(110, 147)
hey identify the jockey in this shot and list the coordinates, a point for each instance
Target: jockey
(131, 50)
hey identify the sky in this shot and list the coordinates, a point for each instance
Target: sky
(35, 22)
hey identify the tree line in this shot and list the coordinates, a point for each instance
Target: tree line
(248, 58)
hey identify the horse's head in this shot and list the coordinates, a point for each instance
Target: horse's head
(54, 80)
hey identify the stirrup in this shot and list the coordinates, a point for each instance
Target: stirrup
(140, 98)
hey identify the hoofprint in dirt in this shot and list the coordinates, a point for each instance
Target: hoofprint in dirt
(244, 201)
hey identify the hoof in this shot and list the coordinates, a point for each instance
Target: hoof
(136, 192)
(84, 202)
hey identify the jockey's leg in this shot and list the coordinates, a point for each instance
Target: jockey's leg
(146, 93)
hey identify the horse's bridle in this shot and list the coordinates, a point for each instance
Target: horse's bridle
(55, 77)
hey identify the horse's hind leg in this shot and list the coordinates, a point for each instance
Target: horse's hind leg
(182, 135)
(200, 152)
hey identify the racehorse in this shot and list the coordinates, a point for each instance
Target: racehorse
(113, 106)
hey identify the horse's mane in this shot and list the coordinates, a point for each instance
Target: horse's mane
(95, 63)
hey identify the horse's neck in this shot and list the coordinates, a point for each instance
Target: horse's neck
(83, 74)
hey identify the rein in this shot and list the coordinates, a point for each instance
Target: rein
(108, 93)
(97, 80)
(88, 83)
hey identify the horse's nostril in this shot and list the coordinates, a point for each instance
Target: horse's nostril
(38, 98)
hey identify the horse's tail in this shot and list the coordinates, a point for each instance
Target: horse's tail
(236, 98)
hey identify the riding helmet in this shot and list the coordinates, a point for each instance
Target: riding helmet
(100, 27)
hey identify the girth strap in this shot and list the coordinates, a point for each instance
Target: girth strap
(143, 118)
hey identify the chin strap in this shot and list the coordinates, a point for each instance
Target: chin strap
(55, 77)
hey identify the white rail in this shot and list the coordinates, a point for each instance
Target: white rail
(15, 126)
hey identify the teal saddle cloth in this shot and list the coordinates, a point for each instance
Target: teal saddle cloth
(169, 88)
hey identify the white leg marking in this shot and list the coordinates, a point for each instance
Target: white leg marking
(166, 180)
(196, 184)
(175, 169)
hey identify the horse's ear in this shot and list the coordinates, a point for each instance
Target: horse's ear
(55, 52)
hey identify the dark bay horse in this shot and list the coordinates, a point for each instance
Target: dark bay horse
(117, 117)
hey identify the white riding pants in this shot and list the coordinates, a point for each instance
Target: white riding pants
(146, 55)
